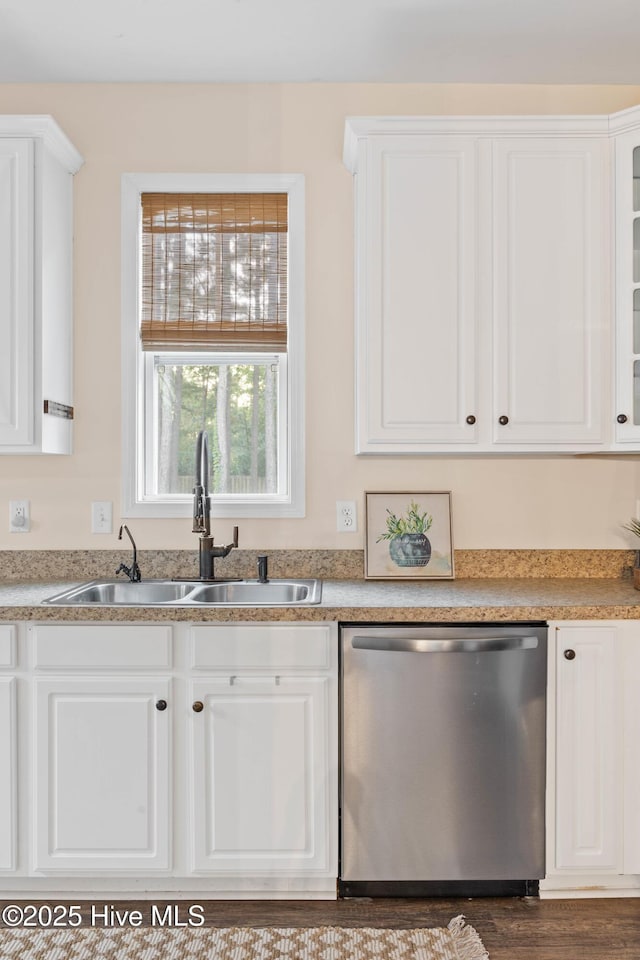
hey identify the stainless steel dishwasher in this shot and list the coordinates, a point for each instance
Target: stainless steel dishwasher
(443, 759)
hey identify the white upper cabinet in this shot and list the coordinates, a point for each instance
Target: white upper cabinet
(627, 280)
(16, 291)
(550, 309)
(37, 164)
(416, 324)
(482, 277)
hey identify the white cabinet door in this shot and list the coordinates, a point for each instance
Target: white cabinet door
(37, 163)
(16, 291)
(483, 315)
(551, 247)
(8, 779)
(102, 790)
(260, 779)
(627, 287)
(587, 763)
(416, 225)
(631, 740)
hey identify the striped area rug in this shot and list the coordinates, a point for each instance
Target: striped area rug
(458, 941)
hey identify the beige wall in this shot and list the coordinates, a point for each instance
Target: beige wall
(562, 503)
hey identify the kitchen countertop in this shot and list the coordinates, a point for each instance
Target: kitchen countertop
(370, 600)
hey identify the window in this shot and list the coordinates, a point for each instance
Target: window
(213, 339)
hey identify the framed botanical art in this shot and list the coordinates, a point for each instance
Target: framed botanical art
(408, 536)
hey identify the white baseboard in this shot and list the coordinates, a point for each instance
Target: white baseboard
(583, 887)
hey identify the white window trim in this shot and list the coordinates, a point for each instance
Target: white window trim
(133, 501)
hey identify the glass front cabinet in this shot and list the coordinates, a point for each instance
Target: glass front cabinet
(627, 281)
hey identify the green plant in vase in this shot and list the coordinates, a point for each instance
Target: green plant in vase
(634, 527)
(409, 545)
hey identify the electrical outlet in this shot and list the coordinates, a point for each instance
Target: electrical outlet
(346, 516)
(102, 516)
(19, 516)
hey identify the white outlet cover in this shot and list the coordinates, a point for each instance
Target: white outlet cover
(102, 516)
(346, 516)
(19, 516)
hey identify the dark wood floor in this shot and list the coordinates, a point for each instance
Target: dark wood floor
(511, 929)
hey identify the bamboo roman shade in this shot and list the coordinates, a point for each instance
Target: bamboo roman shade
(214, 271)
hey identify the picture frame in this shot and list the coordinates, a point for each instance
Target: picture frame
(408, 536)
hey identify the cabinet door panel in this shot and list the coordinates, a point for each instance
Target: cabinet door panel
(587, 765)
(16, 310)
(102, 774)
(631, 792)
(627, 289)
(416, 267)
(550, 299)
(8, 780)
(260, 789)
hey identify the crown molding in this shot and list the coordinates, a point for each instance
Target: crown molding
(43, 127)
(572, 125)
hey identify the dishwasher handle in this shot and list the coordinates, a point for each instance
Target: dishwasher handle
(444, 644)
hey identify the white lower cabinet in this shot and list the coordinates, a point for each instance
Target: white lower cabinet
(103, 708)
(204, 757)
(587, 755)
(8, 750)
(173, 758)
(259, 780)
(102, 774)
(631, 751)
(593, 812)
(8, 782)
(263, 739)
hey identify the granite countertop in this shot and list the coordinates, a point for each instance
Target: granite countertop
(367, 600)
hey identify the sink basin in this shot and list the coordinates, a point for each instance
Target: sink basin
(123, 591)
(254, 594)
(151, 593)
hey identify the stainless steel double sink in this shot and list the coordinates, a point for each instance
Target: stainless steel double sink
(191, 593)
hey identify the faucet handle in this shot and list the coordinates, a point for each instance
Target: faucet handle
(198, 510)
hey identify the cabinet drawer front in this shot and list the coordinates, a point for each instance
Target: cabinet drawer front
(262, 647)
(101, 645)
(7, 646)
